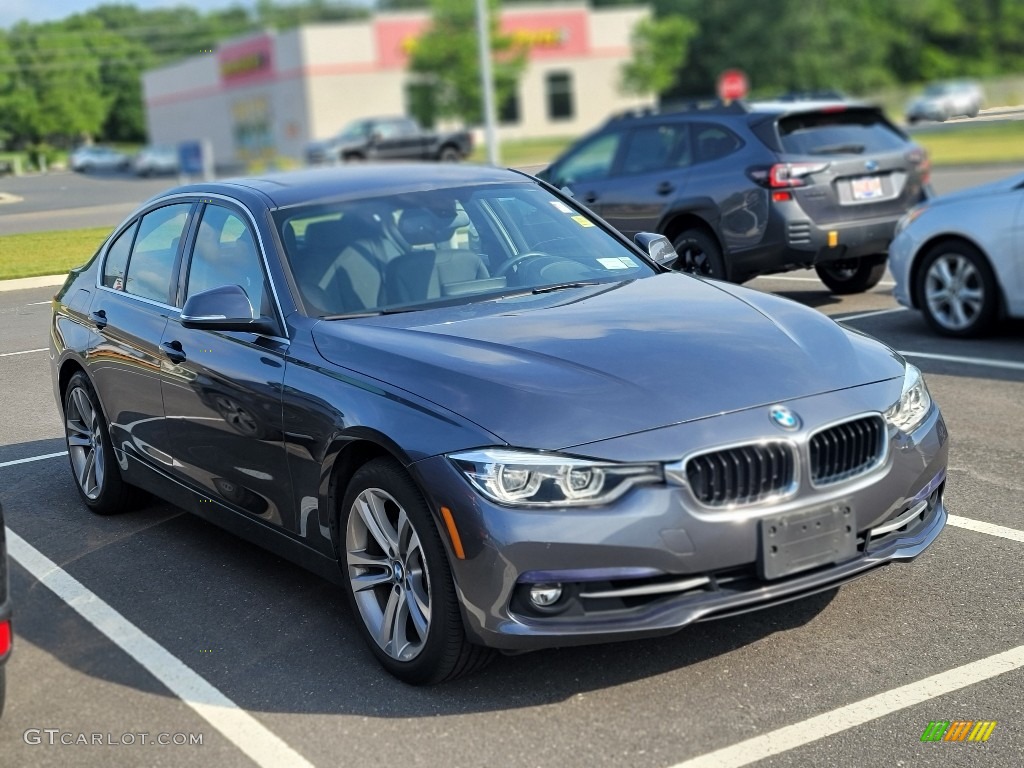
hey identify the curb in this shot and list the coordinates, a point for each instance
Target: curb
(23, 283)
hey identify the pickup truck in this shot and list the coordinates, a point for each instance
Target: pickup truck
(389, 138)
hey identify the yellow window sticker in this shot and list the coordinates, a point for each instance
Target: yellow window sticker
(583, 221)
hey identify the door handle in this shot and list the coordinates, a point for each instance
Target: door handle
(666, 188)
(590, 197)
(173, 351)
(99, 318)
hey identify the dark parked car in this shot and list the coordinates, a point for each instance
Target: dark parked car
(744, 190)
(5, 613)
(390, 138)
(497, 422)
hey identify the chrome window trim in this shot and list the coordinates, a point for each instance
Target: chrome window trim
(196, 198)
(143, 299)
(879, 462)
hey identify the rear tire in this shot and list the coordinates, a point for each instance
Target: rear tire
(956, 290)
(848, 276)
(699, 254)
(93, 463)
(399, 581)
(449, 155)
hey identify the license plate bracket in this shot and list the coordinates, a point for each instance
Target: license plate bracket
(866, 188)
(798, 541)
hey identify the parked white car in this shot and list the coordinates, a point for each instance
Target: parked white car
(959, 258)
(941, 101)
(98, 158)
(155, 159)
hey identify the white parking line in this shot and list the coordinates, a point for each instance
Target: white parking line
(797, 279)
(968, 360)
(982, 527)
(873, 313)
(33, 458)
(239, 727)
(26, 352)
(864, 711)
(38, 303)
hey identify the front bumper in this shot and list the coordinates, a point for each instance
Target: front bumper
(654, 561)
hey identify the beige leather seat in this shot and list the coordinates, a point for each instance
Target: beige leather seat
(427, 273)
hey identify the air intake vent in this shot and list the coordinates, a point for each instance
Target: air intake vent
(745, 474)
(847, 450)
(799, 233)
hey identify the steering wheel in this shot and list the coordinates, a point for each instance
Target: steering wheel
(512, 265)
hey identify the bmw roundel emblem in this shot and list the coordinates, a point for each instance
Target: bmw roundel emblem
(784, 417)
(871, 165)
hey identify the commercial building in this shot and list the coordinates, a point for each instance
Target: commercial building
(271, 93)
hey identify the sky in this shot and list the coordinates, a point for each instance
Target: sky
(12, 11)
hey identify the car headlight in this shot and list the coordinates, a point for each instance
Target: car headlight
(914, 403)
(909, 217)
(521, 478)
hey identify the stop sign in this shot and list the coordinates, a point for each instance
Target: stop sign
(732, 85)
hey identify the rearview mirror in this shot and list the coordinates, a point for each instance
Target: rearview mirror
(226, 308)
(658, 247)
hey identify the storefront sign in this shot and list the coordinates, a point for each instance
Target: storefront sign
(247, 62)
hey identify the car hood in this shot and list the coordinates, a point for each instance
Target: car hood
(1008, 184)
(585, 364)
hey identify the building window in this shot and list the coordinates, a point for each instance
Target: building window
(508, 112)
(560, 102)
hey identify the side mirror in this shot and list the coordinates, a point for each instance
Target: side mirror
(658, 247)
(226, 308)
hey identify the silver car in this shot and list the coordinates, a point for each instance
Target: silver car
(941, 101)
(959, 258)
(98, 158)
(155, 159)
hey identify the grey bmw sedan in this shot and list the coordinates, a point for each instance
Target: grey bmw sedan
(492, 419)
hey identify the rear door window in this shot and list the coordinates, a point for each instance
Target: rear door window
(153, 258)
(117, 259)
(655, 148)
(850, 132)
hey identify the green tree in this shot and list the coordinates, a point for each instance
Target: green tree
(445, 58)
(659, 53)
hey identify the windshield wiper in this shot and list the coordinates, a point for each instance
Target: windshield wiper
(561, 286)
(369, 313)
(841, 149)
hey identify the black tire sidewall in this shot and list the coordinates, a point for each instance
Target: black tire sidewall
(435, 661)
(112, 494)
(990, 308)
(868, 274)
(709, 246)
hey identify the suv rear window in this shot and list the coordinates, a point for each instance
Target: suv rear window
(851, 132)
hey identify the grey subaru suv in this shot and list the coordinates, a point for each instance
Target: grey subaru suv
(748, 189)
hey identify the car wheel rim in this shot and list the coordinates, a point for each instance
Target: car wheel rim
(842, 270)
(954, 292)
(85, 443)
(694, 260)
(387, 571)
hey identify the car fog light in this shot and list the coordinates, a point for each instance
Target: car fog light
(544, 595)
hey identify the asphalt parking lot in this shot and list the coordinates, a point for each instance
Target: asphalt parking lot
(220, 640)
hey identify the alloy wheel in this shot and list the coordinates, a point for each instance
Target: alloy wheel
(85, 443)
(954, 291)
(693, 259)
(387, 571)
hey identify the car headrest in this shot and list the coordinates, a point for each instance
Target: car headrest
(420, 226)
(323, 235)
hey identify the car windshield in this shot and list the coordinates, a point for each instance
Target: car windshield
(839, 132)
(357, 130)
(446, 246)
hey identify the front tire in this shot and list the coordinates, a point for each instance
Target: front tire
(957, 290)
(93, 464)
(848, 276)
(699, 254)
(449, 155)
(399, 581)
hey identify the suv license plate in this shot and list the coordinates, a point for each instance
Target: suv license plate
(867, 188)
(798, 541)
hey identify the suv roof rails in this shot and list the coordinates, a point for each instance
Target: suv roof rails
(709, 105)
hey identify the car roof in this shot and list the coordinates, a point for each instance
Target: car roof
(281, 190)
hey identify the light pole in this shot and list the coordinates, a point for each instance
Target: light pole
(483, 30)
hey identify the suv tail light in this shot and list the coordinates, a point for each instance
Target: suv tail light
(785, 176)
(920, 160)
